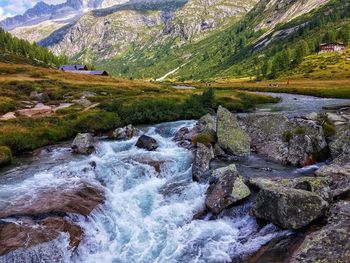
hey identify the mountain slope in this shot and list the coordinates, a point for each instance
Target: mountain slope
(244, 50)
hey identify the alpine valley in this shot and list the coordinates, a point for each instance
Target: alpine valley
(171, 131)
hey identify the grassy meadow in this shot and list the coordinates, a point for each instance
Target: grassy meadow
(115, 102)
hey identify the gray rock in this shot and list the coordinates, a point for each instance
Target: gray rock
(84, 143)
(148, 143)
(332, 242)
(288, 208)
(340, 177)
(201, 163)
(231, 137)
(125, 133)
(207, 124)
(40, 97)
(228, 190)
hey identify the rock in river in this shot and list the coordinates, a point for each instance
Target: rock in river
(147, 143)
(84, 143)
(201, 163)
(231, 137)
(229, 189)
(125, 133)
(287, 207)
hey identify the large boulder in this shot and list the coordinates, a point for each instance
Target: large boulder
(207, 124)
(266, 132)
(201, 163)
(340, 145)
(288, 208)
(317, 185)
(228, 189)
(148, 143)
(332, 242)
(125, 133)
(295, 141)
(84, 143)
(231, 137)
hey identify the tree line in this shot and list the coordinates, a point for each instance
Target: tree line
(13, 45)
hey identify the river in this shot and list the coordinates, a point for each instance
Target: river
(147, 214)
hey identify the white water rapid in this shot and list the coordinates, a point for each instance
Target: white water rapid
(147, 216)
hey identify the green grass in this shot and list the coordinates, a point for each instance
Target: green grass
(5, 156)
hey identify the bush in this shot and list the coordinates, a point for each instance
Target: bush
(328, 126)
(5, 155)
(96, 120)
(7, 104)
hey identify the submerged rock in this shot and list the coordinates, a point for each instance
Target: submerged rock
(332, 242)
(228, 190)
(231, 137)
(84, 143)
(147, 143)
(25, 233)
(201, 163)
(288, 208)
(81, 199)
(125, 133)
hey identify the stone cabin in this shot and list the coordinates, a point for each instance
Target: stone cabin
(73, 67)
(82, 69)
(332, 47)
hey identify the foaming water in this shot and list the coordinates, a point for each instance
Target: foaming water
(147, 216)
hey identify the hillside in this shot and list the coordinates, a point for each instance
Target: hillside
(241, 50)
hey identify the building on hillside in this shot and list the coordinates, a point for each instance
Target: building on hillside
(332, 47)
(90, 72)
(73, 67)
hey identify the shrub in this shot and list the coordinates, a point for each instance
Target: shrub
(5, 155)
(96, 120)
(7, 104)
(287, 136)
(328, 126)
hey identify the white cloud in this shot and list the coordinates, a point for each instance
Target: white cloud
(3, 15)
(17, 7)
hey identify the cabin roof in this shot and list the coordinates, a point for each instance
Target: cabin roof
(90, 72)
(73, 67)
(327, 44)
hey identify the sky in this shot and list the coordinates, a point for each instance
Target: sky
(17, 7)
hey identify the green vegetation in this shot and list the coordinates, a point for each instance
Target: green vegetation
(205, 139)
(22, 48)
(327, 125)
(5, 156)
(238, 50)
(114, 103)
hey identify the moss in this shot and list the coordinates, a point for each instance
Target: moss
(204, 138)
(5, 155)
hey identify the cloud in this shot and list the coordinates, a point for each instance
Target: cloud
(17, 7)
(3, 15)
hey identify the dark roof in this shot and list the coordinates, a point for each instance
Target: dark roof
(73, 67)
(90, 72)
(327, 44)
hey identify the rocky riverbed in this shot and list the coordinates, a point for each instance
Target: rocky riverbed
(259, 187)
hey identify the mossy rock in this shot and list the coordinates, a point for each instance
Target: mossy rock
(5, 156)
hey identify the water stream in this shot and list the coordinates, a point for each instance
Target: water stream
(147, 215)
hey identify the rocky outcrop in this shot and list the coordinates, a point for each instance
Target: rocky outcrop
(84, 143)
(332, 242)
(228, 189)
(202, 156)
(125, 133)
(147, 143)
(340, 145)
(231, 137)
